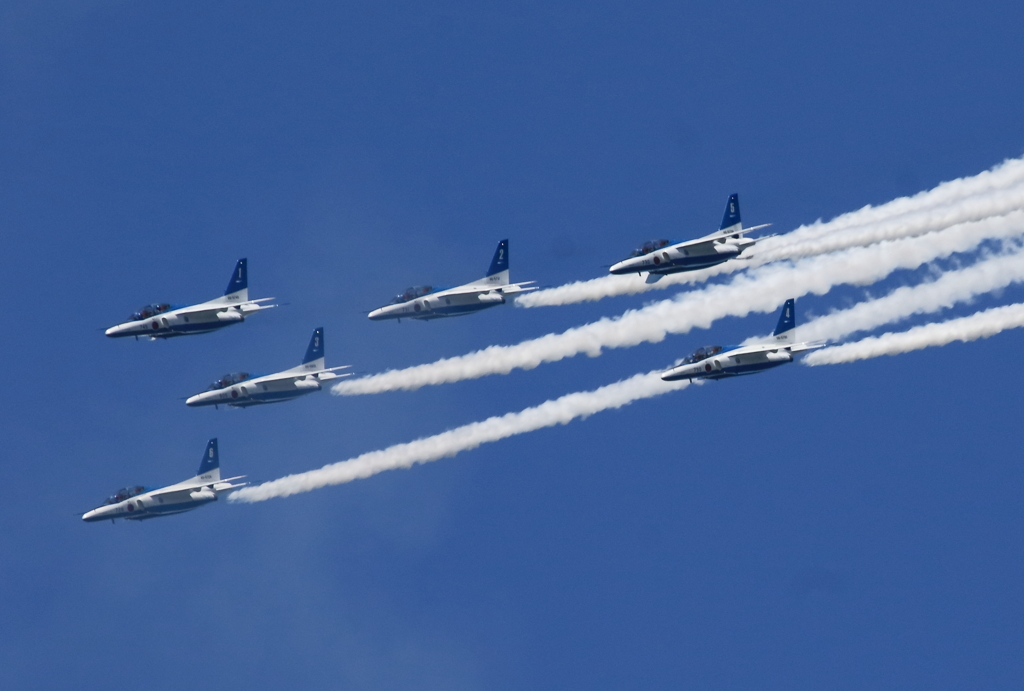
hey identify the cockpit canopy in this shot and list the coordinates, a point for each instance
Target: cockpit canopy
(649, 247)
(228, 380)
(412, 293)
(149, 311)
(124, 493)
(702, 354)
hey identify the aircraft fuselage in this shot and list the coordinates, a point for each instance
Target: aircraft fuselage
(143, 506)
(723, 365)
(439, 305)
(169, 324)
(255, 392)
(676, 259)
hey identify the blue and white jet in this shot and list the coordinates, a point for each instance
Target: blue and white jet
(718, 362)
(658, 258)
(431, 302)
(161, 320)
(241, 390)
(139, 503)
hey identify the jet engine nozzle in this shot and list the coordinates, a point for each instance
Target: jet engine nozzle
(308, 383)
(492, 297)
(204, 494)
(230, 316)
(780, 356)
(726, 248)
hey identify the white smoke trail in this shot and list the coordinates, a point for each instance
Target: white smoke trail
(762, 290)
(950, 288)
(991, 193)
(978, 325)
(559, 411)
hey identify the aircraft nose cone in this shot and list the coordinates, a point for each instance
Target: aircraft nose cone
(377, 314)
(119, 330)
(675, 374)
(192, 400)
(622, 267)
(92, 516)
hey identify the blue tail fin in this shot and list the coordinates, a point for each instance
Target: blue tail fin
(239, 279)
(315, 351)
(732, 213)
(211, 458)
(784, 330)
(500, 261)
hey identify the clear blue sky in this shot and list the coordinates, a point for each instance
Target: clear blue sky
(845, 527)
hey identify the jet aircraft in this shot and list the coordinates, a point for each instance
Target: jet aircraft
(241, 390)
(661, 257)
(430, 302)
(718, 362)
(139, 503)
(161, 320)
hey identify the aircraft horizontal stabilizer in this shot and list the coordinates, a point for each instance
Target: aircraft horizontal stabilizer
(516, 288)
(724, 233)
(801, 347)
(328, 376)
(253, 307)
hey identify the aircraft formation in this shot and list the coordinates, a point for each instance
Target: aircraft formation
(656, 258)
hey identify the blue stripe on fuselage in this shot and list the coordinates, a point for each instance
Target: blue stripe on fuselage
(448, 311)
(176, 330)
(689, 264)
(740, 370)
(158, 510)
(265, 397)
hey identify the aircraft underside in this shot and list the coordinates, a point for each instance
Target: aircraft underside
(691, 264)
(156, 330)
(267, 398)
(450, 311)
(160, 511)
(740, 370)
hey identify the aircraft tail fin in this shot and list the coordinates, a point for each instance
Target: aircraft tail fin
(498, 274)
(210, 465)
(238, 287)
(731, 222)
(314, 359)
(785, 330)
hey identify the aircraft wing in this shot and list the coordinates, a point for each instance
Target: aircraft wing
(469, 289)
(716, 236)
(189, 485)
(176, 489)
(208, 308)
(750, 349)
(465, 290)
(322, 375)
(772, 347)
